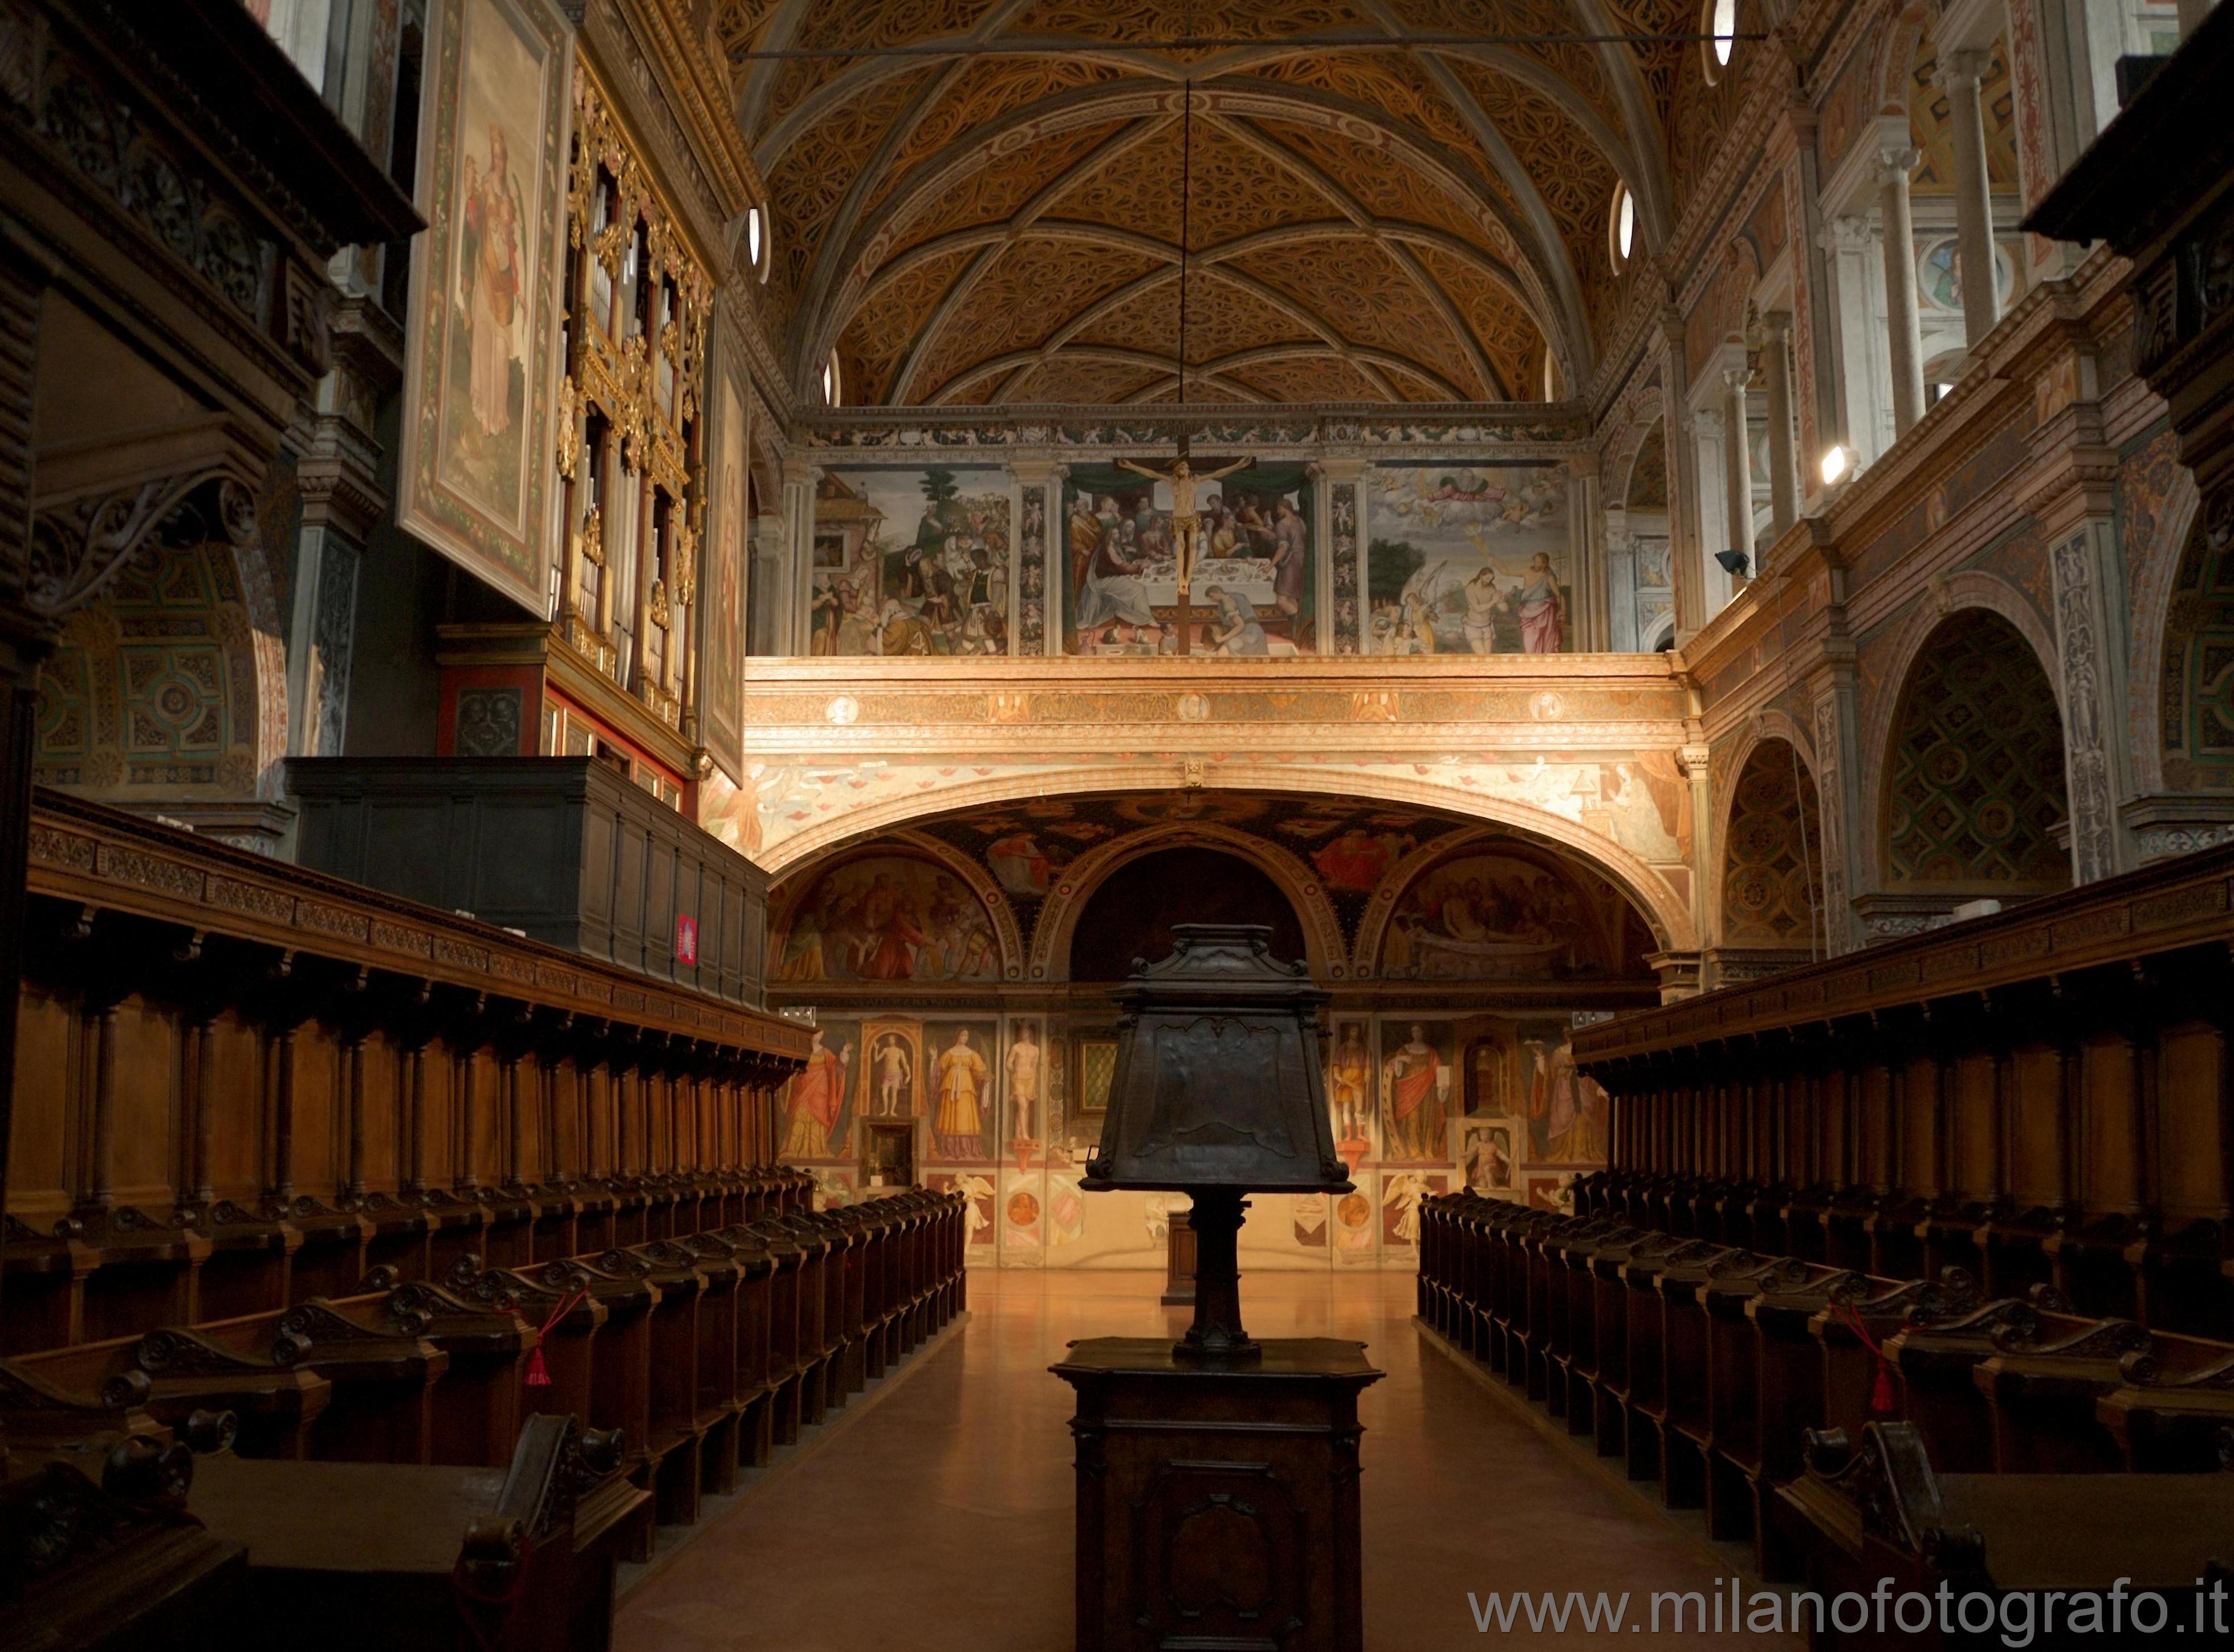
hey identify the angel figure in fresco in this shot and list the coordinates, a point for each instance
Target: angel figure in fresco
(817, 1094)
(1412, 1083)
(960, 1074)
(974, 1189)
(1186, 523)
(494, 215)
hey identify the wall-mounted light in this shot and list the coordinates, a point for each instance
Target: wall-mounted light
(1838, 463)
(1735, 562)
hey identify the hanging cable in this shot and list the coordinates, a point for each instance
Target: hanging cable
(1186, 208)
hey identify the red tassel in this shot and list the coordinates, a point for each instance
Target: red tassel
(1880, 1390)
(539, 1375)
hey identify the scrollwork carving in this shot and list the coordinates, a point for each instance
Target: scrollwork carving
(80, 547)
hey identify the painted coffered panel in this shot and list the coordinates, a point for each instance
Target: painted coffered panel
(963, 189)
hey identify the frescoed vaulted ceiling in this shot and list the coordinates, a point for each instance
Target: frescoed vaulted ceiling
(1416, 224)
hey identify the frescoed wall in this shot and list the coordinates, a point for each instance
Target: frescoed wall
(911, 562)
(887, 918)
(1252, 592)
(996, 1054)
(1468, 558)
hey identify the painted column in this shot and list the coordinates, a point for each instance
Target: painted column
(1686, 571)
(1837, 779)
(1706, 847)
(1960, 72)
(1345, 560)
(2091, 703)
(1898, 225)
(1737, 461)
(2070, 492)
(795, 570)
(1860, 410)
(1589, 621)
(1783, 456)
(1038, 606)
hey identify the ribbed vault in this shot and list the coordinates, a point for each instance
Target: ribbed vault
(1422, 219)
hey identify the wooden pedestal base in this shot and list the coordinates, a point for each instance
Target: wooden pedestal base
(1217, 1504)
(1179, 1264)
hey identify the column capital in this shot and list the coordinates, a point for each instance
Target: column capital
(1776, 325)
(1846, 235)
(799, 472)
(1897, 165)
(1961, 68)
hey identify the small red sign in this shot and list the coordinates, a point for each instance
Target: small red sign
(686, 939)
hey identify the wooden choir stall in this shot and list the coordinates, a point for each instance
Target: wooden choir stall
(422, 1262)
(1218, 1477)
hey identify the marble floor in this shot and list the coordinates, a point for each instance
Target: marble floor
(940, 1518)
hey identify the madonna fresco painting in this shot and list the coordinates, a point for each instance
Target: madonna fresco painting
(492, 136)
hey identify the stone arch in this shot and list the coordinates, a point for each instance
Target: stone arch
(2180, 592)
(789, 898)
(2156, 564)
(1768, 880)
(1666, 911)
(1896, 59)
(1373, 930)
(1971, 791)
(1067, 901)
(1628, 456)
(1881, 699)
(168, 694)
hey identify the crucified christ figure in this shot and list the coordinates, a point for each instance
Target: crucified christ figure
(1186, 525)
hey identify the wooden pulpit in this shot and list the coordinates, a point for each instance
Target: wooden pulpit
(1217, 1504)
(1218, 1492)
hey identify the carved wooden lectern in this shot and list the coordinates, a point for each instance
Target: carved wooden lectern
(1218, 1490)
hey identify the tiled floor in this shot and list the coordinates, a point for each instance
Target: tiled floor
(941, 1519)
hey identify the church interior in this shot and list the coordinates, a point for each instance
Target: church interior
(1539, 692)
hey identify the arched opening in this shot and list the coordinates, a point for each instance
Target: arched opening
(151, 701)
(1643, 594)
(1975, 803)
(1463, 956)
(1132, 915)
(2197, 718)
(1771, 899)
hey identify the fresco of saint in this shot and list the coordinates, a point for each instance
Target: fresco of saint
(1414, 1082)
(960, 1076)
(818, 1094)
(490, 271)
